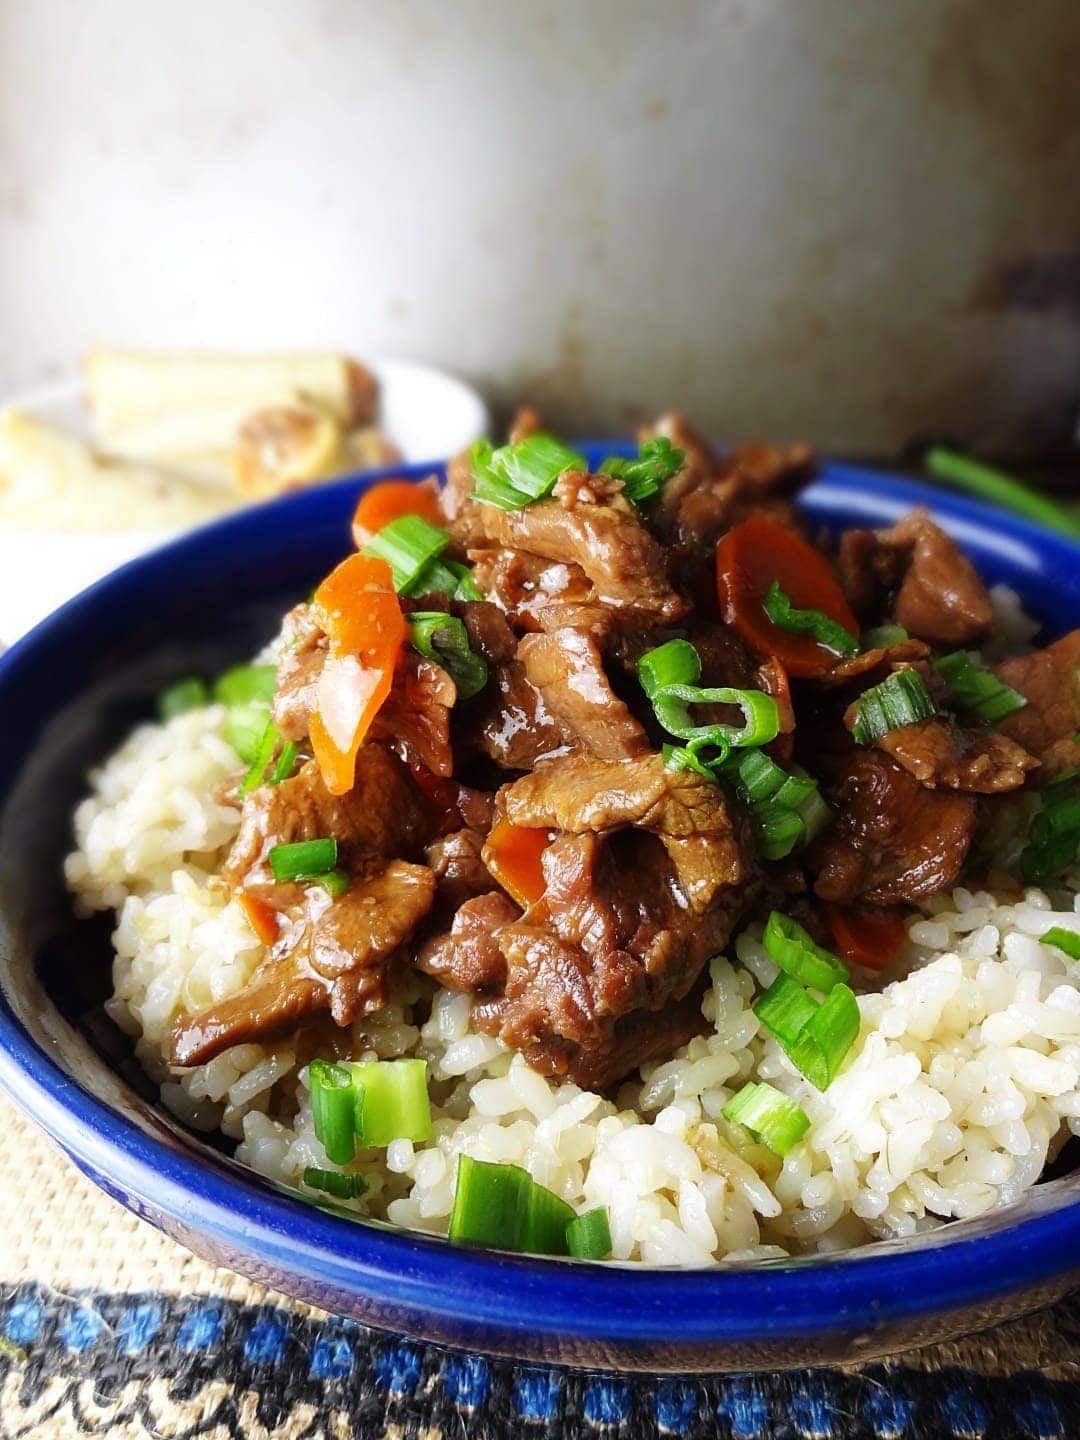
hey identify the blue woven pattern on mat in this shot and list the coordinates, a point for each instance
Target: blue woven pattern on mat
(278, 1372)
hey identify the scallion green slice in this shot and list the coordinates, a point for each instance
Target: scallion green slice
(547, 1218)
(444, 639)
(244, 684)
(516, 475)
(335, 881)
(1053, 843)
(902, 699)
(181, 697)
(1000, 489)
(674, 663)
(785, 1009)
(978, 689)
(333, 1182)
(303, 858)
(588, 1236)
(685, 757)
(816, 623)
(446, 577)
(761, 718)
(1067, 941)
(774, 1118)
(882, 636)
(268, 743)
(407, 545)
(332, 1109)
(284, 764)
(657, 461)
(391, 1101)
(823, 1044)
(245, 726)
(490, 1204)
(778, 829)
(790, 946)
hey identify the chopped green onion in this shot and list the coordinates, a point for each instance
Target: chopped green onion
(657, 461)
(674, 663)
(407, 544)
(244, 684)
(245, 726)
(902, 699)
(332, 1109)
(516, 475)
(333, 1182)
(789, 945)
(816, 623)
(446, 577)
(671, 705)
(685, 757)
(588, 1236)
(815, 815)
(444, 639)
(816, 1037)
(490, 1203)
(1067, 941)
(547, 1218)
(181, 697)
(883, 636)
(305, 857)
(268, 743)
(778, 829)
(785, 1009)
(978, 689)
(1000, 489)
(774, 1118)
(283, 766)
(1054, 837)
(823, 1044)
(335, 881)
(391, 1101)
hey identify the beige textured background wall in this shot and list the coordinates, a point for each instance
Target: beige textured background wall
(845, 221)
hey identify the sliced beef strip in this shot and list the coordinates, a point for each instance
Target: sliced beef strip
(704, 840)
(383, 815)
(459, 868)
(870, 662)
(536, 593)
(485, 624)
(336, 955)
(1050, 679)
(414, 719)
(566, 668)
(938, 594)
(606, 541)
(938, 752)
(510, 723)
(892, 840)
(302, 658)
(468, 957)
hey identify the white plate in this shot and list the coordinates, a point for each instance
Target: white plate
(425, 413)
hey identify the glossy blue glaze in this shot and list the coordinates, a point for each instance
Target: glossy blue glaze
(71, 688)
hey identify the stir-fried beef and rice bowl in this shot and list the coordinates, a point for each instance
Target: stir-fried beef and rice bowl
(601, 864)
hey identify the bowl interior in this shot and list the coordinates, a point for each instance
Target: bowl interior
(75, 687)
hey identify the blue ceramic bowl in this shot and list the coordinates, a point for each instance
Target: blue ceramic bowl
(71, 689)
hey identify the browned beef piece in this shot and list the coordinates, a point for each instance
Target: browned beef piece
(1050, 679)
(383, 815)
(905, 652)
(299, 668)
(459, 868)
(939, 596)
(605, 540)
(488, 631)
(566, 668)
(414, 719)
(510, 722)
(938, 752)
(454, 496)
(335, 955)
(536, 593)
(468, 956)
(892, 840)
(579, 794)
(526, 422)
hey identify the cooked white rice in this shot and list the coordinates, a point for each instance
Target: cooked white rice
(964, 1080)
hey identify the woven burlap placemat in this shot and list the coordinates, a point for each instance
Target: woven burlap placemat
(112, 1329)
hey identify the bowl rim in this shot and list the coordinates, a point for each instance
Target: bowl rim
(512, 1296)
